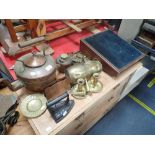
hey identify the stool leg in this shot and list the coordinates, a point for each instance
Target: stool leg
(11, 30)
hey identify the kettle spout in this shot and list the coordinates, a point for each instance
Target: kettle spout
(14, 86)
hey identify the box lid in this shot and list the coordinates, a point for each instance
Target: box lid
(114, 49)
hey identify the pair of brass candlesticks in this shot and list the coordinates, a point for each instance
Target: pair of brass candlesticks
(84, 86)
(84, 77)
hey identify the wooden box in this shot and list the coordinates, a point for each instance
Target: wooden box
(115, 54)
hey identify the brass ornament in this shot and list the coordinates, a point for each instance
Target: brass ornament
(78, 57)
(84, 78)
(33, 105)
(63, 62)
(95, 85)
(83, 70)
(79, 90)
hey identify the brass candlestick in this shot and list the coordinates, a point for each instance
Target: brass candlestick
(79, 90)
(95, 85)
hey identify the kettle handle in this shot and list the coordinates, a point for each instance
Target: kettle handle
(20, 61)
(34, 53)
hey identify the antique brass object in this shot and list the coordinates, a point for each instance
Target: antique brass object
(83, 70)
(33, 105)
(63, 62)
(79, 90)
(78, 57)
(66, 60)
(94, 84)
(84, 78)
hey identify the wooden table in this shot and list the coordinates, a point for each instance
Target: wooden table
(85, 113)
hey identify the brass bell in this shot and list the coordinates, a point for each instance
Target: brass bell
(95, 85)
(79, 90)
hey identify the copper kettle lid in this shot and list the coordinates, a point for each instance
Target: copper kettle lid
(34, 60)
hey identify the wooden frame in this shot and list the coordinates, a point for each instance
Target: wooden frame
(11, 30)
(30, 25)
(69, 30)
(12, 45)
